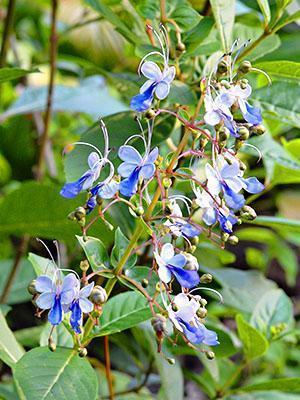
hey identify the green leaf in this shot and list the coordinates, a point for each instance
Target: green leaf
(29, 337)
(42, 265)
(241, 289)
(95, 251)
(120, 246)
(272, 309)
(262, 395)
(61, 336)
(254, 343)
(287, 70)
(185, 15)
(41, 374)
(287, 19)
(278, 223)
(198, 34)
(8, 74)
(23, 211)
(181, 93)
(224, 11)
(266, 46)
(123, 311)
(10, 350)
(108, 14)
(265, 9)
(139, 273)
(284, 385)
(18, 292)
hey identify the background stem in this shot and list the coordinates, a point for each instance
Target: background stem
(108, 369)
(7, 31)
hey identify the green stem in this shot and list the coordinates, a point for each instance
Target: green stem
(6, 31)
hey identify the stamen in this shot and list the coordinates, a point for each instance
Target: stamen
(58, 253)
(49, 252)
(211, 290)
(105, 136)
(254, 147)
(89, 145)
(148, 55)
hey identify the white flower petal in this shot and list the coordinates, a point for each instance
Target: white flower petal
(212, 118)
(169, 74)
(93, 160)
(164, 274)
(44, 284)
(151, 71)
(86, 305)
(162, 90)
(167, 251)
(45, 300)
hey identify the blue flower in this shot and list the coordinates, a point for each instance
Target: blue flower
(56, 295)
(81, 304)
(170, 264)
(251, 114)
(135, 168)
(72, 189)
(158, 84)
(185, 320)
(178, 226)
(105, 190)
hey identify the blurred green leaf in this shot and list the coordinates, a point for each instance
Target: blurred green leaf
(29, 337)
(266, 46)
(41, 374)
(8, 74)
(278, 223)
(181, 93)
(120, 246)
(121, 312)
(287, 19)
(262, 395)
(265, 9)
(138, 273)
(61, 336)
(42, 265)
(254, 343)
(198, 34)
(10, 350)
(95, 251)
(8, 391)
(223, 11)
(284, 385)
(185, 15)
(286, 70)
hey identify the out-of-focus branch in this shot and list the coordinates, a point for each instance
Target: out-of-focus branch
(6, 31)
(108, 368)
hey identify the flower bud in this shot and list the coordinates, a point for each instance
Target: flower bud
(108, 225)
(82, 352)
(243, 166)
(98, 295)
(32, 287)
(210, 355)
(203, 302)
(248, 214)
(51, 344)
(224, 236)
(238, 144)
(206, 278)
(174, 307)
(139, 211)
(171, 360)
(201, 312)
(167, 183)
(243, 133)
(99, 200)
(84, 265)
(191, 262)
(226, 84)
(223, 67)
(150, 114)
(194, 240)
(233, 240)
(258, 130)
(180, 47)
(145, 282)
(71, 216)
(244, 67)
(80, 213)
(159, 324)
(224, 134)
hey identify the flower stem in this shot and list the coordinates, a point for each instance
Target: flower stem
(7, 30)
(108, 368)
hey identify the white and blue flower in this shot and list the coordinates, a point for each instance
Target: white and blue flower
(170, 264)
(240, 95)
(80, 305)
(178, 226)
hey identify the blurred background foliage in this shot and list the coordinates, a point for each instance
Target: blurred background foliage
(100, 44)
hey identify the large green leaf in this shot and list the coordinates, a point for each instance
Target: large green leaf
(286, 70)
(18, 292)
(195, 37)
(287, 19)
(265, 9)
(42, 265)
(8, 74)
(241, 289)
(263, 395)
(266, 46)
(283, 384)
(185, 15)
(61, 336)
(10, 350)
(254, 343)
(278, 223)
(123, 311)
(62, 375)
(95, 251)
(272, 309)
(120, 246)
(224, 11)
(39, 210)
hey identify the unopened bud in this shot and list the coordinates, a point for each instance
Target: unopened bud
(180, 47)
(243, 166)
(171, 361)
(71, 216)
(80, 213)
(226, 84)
(248, 214)
(238, 144)
(191, 262)
(145, 282)
(82, 352)
(84, 265)
(206, 278)
(194, 240)
(139, 211)
(201, 312)
(223, 67)
(258, 130)
(32, 287)
(159, 324)
(51, 344)
(167, 183)
(210, 355)
(108, 225)
(203, 302)
(243, 133)
(150, 114)
(233, 240)
(224, 236)
(224, 134)
(98, 295)
(174, 307)
(244, 67)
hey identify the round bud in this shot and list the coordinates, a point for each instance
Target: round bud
(248, 214)
(98, 295)
(174, 307)
(108, 225)
(82, 352)
(191, 262)
(210, 355)
(233, 240)
(194, 240)
(84, 265)
(71, 216)
(159, 287)
(238, 144)
(226, 84)
(192, 249)
(224, 134)
(243, 86)
(139, 211)
(223, 67)
(80, 213)
(243, 133)
(180, 47)
(171, 361)
(244, 67)
(244, 81)
(167, 183)
(51, 344)
(203, 302)
(239, 221)
(145, 282)
(32, 287)
(202, 312)
(223, 144)
(243, 166)
(224, 236)
(206, 278)
(150, 114)
(258, 130)
(99, 200)
(159, 323)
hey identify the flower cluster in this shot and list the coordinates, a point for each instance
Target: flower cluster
(209, 153)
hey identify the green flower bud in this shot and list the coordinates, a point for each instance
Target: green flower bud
(244, 67)
(206, 278)
(180, 47)
(243, 133)
(71, 216)
(233, 240)
(224, 236)
(243, 166)
(203, 143)
(171, 361)
(224, 134)
(150, 114)
(145, 282)
(203, 302)
(80, 213)
(201, 312)
(257, 130)
(238, 144)
(139, 211)
(98, 295)
(191, 262)
(210, 355)
(174, 307)
(32, 287)
(167, 183)
(82, 352)
(84, 265)
(248, 214)
(223, 67)
(226, 84)
(194, 240)
(51, 344)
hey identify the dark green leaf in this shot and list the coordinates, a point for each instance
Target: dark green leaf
(185, 15)
(120, 246)
(223, 11)
(95, 251)
(8, 74)
(10, 350)
(284, 385)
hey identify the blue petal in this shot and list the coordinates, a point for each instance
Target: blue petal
(210, 337)
(226, 223)
(190, 231)
(230, 125)
(94, 191)
(72, 189)
(209, 216)
(253, 185)
(141, 102)
(91, 204)
(128, 186)
(193, 334)
(253, 115)
(232, 199)
(185, 278)
(76, 316)
(55, 315)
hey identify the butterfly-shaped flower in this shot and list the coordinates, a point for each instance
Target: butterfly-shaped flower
(170, 264)
(86, 181)
(135, 168)
(178, 226)
(185, 320)
(105, 190)
(80, 305)
(56, 295)
(158, 83)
